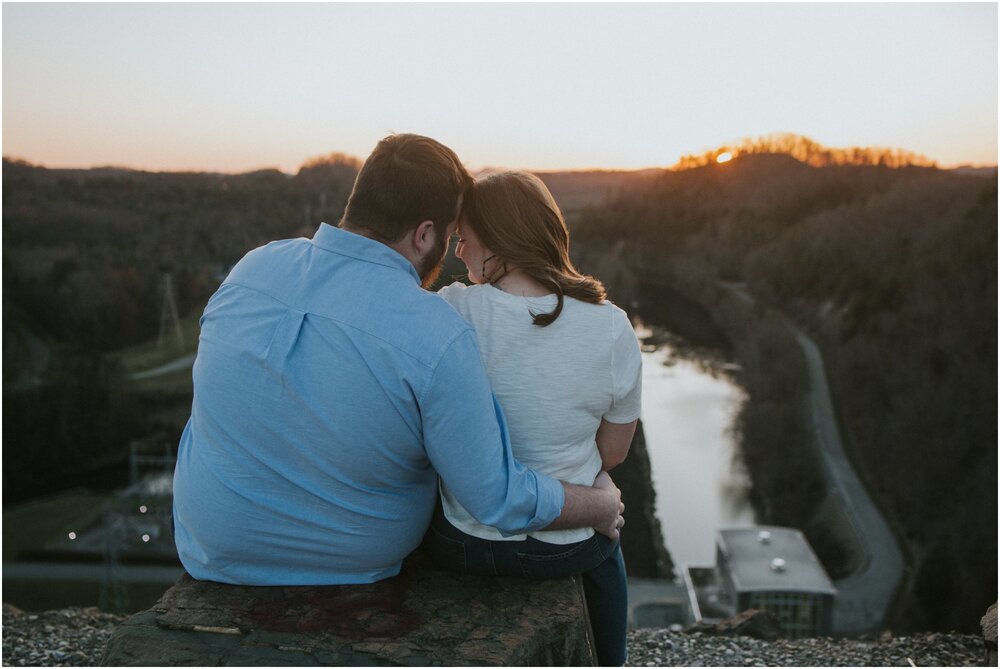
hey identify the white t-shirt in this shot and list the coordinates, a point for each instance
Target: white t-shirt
(554, 383)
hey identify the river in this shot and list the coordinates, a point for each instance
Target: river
(700, 484)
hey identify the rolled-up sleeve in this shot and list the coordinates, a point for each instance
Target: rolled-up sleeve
(466, 439)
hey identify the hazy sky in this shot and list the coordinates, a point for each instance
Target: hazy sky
(233, 87)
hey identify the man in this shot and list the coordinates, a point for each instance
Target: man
(331, 389)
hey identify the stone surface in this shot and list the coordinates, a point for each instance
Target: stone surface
(423, 617)
(989, 625)
(752, 622)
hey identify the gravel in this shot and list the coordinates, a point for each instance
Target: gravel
(71, 637)
(75, 637)
(658, 647)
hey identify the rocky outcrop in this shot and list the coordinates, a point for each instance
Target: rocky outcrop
(989, 625)
(752, 622)
(423, 617)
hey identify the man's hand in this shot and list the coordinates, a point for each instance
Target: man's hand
(599, 506)
(612, 525)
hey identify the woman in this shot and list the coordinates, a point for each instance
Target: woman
(565, 367)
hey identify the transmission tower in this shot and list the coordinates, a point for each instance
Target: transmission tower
(168, 314)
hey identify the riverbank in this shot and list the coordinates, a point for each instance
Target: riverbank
(753, 349)
(690, 403)
(75, 638)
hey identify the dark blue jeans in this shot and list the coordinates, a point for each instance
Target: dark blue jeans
(598, 560)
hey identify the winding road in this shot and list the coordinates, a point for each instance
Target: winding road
(864, 596)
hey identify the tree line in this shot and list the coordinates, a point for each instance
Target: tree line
(807, 151)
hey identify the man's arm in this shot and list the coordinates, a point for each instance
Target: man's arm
(599, 507)
(465, 436)
(466, 440)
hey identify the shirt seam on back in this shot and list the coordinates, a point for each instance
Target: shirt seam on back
(431, 365)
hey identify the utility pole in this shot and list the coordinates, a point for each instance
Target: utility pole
(112, 597)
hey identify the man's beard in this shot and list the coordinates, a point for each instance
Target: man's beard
(432, 262)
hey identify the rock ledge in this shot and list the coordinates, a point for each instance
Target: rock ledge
(423, 617)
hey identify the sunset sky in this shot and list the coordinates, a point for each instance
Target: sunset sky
(234, 87)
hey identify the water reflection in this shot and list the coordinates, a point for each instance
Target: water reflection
(688, 408)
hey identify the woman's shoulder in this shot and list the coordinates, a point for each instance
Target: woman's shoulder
(599, 317)
(605, 307)
(621, 324)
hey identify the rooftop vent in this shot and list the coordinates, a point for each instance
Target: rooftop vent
(778, 565)
(764, 537)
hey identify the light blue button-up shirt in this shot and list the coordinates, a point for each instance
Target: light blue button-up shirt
(330, 390)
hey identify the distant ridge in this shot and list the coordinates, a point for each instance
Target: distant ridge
(976, 171)
(807, 151)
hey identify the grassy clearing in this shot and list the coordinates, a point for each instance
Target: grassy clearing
(150, 354)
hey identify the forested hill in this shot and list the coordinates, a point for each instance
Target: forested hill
(84, 250)
(894, 272)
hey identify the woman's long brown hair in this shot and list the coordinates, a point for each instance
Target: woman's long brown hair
(516, 217)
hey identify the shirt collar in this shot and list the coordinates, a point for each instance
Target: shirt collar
(338, 240)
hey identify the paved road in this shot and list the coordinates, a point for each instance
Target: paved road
(62, 571)
(864, 596)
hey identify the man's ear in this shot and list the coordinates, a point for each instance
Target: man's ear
(424, 236)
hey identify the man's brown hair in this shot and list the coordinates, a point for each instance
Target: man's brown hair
(406, 180)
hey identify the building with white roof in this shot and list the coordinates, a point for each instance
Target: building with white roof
(769, 568)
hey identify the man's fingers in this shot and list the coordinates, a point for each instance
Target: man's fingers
(604, 481)
(609, 532)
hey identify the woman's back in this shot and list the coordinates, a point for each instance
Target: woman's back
(554, 383)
